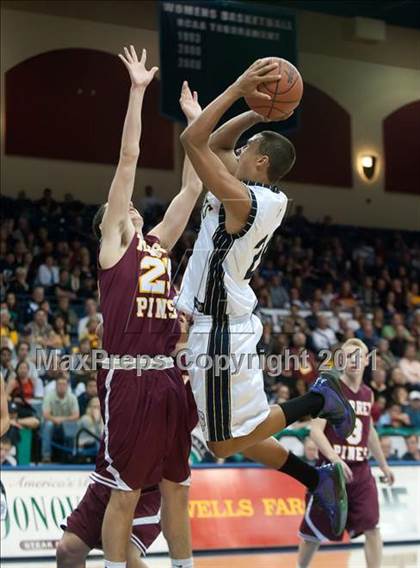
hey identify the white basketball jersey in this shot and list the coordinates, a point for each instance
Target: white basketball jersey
(216, 280)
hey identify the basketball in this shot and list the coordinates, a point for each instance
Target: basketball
(286, 93)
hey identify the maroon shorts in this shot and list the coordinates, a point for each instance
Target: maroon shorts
(86, 520)
(363, 512)
(147, 435)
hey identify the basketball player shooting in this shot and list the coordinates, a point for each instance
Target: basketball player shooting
(239, 217)
(148, 413)
(353, 454)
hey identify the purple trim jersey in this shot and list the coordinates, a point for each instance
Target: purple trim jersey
(355, 448)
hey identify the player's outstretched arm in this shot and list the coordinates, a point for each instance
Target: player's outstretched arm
(323, 444)
(223, 140)
(374, 446)
(115, 220)
(176, 217)
(210, 168)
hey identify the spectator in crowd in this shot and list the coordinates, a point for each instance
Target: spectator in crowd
(387, 357)
(413, 451)
(7, 328)
(378, 384)
(12, 306)
(294, 322)
(47, 204)
(394, 417)
(415, 326)
(400, 396)
(6, 457)
(345, 298)
(92, 422)
(378, 408)
(69, 315)
(389, 331)
(413, 296)
(399, 343)
(80, 376)
(336, 321)
(386, 445)
(310, 452)
(21, 391)
(91, 311)
(279, 295)
(21, 388)
(60, 408)
(323, 337)
(298, 220)
(91, 334)
(48, 275)
(63, 287)
(410, 365)
(34, 304)
(413, 409)
(296, 299)
(22, 415)
(367, 334)
(19, 285)
(40, 331)
(23, 354)
(354, 322)
(367, 293)
(312, 319)
(378, 321)
(267, 338)
(328, 295)
(62, 337)
(303, 362)
(6, 365)
(86, 396)
(397, 378)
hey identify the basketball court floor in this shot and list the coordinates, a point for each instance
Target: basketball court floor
(394, 557)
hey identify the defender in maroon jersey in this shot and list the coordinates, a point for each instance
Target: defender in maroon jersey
(148, 412)
(82, 528)
(352, 453)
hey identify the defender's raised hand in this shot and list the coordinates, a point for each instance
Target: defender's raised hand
(260, 71)
(139, 75)
(189, 102)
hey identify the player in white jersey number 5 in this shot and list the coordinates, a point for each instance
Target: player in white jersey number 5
(238, 220)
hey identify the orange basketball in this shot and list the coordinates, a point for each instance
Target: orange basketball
(286, 93)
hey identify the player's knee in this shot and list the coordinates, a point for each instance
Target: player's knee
(178, 494)
(68, 555)
(221, 451)
(124, 500)
(373, 534)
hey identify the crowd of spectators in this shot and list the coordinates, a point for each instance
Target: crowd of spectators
(318, 284)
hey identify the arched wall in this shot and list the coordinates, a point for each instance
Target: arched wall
(369, 91)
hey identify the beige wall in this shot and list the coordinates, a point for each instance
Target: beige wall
(369, 81)
(368, 92)
(25, 34)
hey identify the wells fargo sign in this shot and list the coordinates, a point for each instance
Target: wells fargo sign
(246, 507)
